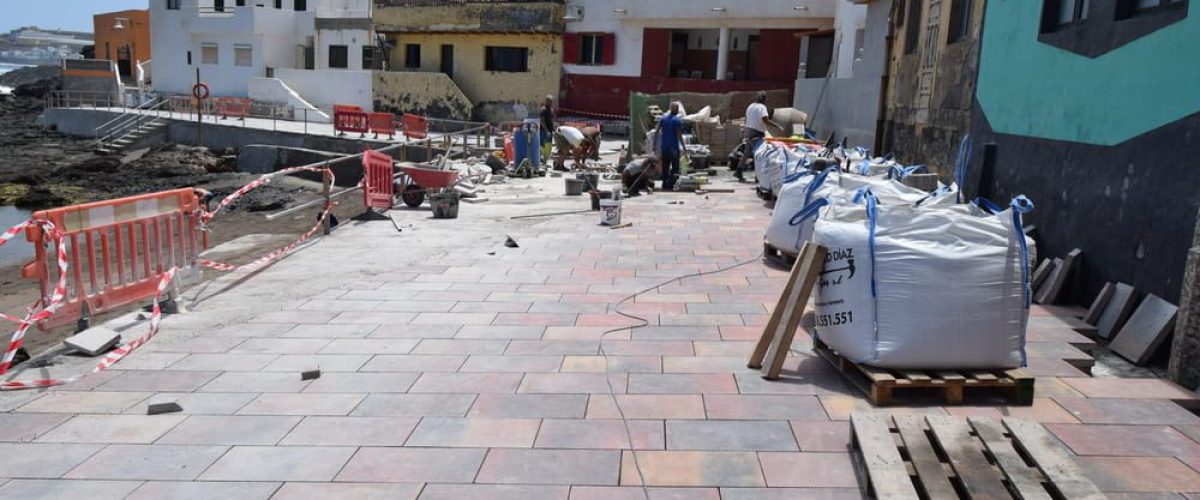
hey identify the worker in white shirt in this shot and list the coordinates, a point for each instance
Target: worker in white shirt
(757, 119)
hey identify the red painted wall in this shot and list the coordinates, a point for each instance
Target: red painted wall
(609, 95)
(778, 55)
(656, 52)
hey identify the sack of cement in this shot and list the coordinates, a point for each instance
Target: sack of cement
(924, 288)
(700, 116)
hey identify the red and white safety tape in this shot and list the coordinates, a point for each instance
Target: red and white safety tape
(35, 315)
(589, 113)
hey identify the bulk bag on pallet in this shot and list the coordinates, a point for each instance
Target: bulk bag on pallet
(796, 207)
(774, 162)
(924, 288)
(889, 191)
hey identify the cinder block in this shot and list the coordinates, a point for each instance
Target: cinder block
(93, 341)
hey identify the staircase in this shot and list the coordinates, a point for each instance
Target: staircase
(118, 134)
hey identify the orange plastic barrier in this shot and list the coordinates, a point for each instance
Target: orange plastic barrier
(415, 127)
(510, 149)
(377, 180)
(235, 107)
(118, 250)
(383, 123)
(351, 119)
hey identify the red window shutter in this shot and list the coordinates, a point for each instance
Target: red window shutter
(571, 48)
(610, 49)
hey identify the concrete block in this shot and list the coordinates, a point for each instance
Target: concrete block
(310, 374)
(160, 408)
(1146, 330)
(1052, 289)
(1097, 308)
(1119, 307)
(1041, 273)
(93, 341)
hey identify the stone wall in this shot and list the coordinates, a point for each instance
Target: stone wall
(426, 94)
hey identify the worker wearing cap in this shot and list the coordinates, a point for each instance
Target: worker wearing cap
(757, 119)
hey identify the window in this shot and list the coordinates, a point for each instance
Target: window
(301, 5)
(507, 59)
(209, 54)
(412, 56)
(368, 57)
(218, 5)
(1060, 14)
(241, 3)
(1129, 8)
(960, 21)
(819, 57)
(172, 4)
(339, 56)
(278, 4)
(243, 55)
(912, 26)
(592, 52)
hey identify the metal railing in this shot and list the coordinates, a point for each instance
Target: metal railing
(130, 120)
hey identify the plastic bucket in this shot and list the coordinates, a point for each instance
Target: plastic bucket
(591, 181)
(610, 212)
(445, 205)
(574, 186)
(600, 195)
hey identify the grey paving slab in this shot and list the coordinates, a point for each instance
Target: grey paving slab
(414, 405)
(36, 460)
(302, 404)
(290, 463)
(351, 431)
(408, 465)
(493, 492)
(732, 435)
(67, 489)
(1120, 306)
(24, 427)
(132, 429)
(1146, 330)
(146, 462)
(357, 491)
(203, 490)
(84, 402)
(231, 430)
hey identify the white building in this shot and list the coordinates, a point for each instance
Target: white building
(298, 51)
(614, 47)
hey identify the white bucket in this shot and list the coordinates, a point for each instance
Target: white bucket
(610, 212)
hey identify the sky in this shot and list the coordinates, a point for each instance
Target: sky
(73, 15)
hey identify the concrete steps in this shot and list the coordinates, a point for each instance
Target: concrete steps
(130, 137)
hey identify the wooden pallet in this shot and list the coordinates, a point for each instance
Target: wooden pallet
(880, 385)
(779, 255)
(936, 457)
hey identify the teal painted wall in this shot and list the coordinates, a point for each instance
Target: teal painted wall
(1032, 89)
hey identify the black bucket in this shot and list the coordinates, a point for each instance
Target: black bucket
(591, 181)
(445, 205)
(600, 195)
(574, 186)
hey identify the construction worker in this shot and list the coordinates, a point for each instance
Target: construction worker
(757, 119)
(546, 116)
(582, 143)
(638, 175)
(670, 145)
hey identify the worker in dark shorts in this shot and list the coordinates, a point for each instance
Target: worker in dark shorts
(582, 143)
(546, 126)
(670, 140)
(638, 175)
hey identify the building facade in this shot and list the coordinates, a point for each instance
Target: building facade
(123, 37)
(614, 47)
(502, 57)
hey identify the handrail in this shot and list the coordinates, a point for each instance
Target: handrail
(133, 121)
(124, 114)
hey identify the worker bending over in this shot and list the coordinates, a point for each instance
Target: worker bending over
(582, 143)
(639, 174)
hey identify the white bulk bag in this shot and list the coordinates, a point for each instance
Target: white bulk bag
(924, 288)
(796, 208)
(773, 163)
(889, 191)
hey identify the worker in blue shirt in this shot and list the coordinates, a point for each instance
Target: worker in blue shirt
(670, 137)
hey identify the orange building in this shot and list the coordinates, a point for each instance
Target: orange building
(123, 37)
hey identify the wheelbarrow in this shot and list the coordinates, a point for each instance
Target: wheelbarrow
(416, 180)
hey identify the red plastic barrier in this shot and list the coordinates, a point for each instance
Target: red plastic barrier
(236, 107)
(351, 121)
(377, 180)
(118, 250)
(383, 123)
(509, 148)
(415, 127)
(346, 108)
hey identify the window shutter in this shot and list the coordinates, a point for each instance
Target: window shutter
(571, 48)
(610, 49)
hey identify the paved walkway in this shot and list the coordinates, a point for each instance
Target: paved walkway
(456, 368)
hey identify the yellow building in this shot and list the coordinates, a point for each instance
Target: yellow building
(504, 57)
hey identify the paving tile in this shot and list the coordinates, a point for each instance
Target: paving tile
(189, 490)
(250, 330)
(475, 432)
(730, 435)
(295, 317)
(791, 494)
(1125, 440)
(19, 428)
(44, 489)
(524, 297)
(739, 349)
(148, 361)
(493, 492)
(582, 333)
(636, 493)
(546, 347)
(569, 308)
(413, 465)
(529, 406)
(706, 364)
(461, 346)
(413, 363)
(230, 430)
(735, 333)
(1130, 388)
(500, 332)
(1127, 411)
(296, 363)
(415, 332)
(1139, 474)
(255, 382)
(1052, 387)
(611, 364)
(674, 297)
(414, 405)
(812, 470)
(600, 434)
(370, 346)
(362, 382)
(839, 407)
(700, 319)
(328, 305)
(643, 406)
(1043, 410)
(132, 429)
(822, 436)
(565, 467)
(648, 347)
(281, 346)
(661, 333)
(356, 491)
(285, 463)
(302, 404)
(426, 318)
(470, 383)
(158, 380)
(196, 345)
(417, 306)
(646, 383)
(612, 321)
(43, 460)
(512, 364)
(572, 383)
(351, 431)
(491, 307)
(372, 318)
(691, 468)
(146, 462)
(84, 402)
(535, 319)
(224, 362)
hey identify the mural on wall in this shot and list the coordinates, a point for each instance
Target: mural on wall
(1032, 88)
